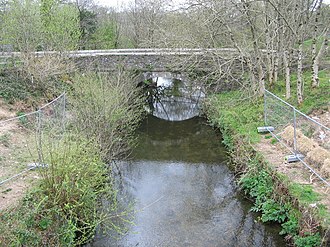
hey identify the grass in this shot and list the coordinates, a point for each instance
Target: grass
(238, 119)
(64, 209)
(315, 98)
(5, 139)
(307, 44)
(273, 141)
(244, 116)
(304, 193)
(75, 195)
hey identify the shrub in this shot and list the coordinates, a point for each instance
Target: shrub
(107, 108)
(291, 226)
(67, 206)
(313, 240)
(74, 182)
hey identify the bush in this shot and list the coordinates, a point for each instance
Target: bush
(258, 184)
(290, 227)
(313, 240)
(67, 206)
(74, 182)
(107, 108)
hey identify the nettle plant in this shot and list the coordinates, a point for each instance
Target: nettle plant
(258, 184)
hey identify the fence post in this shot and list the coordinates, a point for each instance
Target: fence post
(294, 131)
(39, 133)
(265, 107)
(64, 113)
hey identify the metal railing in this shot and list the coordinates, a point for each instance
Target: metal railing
(22, 137)
(306, 139)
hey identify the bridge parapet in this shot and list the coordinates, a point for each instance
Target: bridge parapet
(153, 59)
(149, 59)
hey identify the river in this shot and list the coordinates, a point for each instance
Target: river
(184, 194)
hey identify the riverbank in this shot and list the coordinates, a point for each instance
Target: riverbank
(301, 206)
(64, 205)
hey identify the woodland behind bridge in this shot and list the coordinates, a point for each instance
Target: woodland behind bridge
(295, 34)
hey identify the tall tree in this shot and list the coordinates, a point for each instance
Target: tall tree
(87, 21)
(60, 25)
(320, 34)
(21, 26)
(106, 35)
(46, 25)
(146, 16)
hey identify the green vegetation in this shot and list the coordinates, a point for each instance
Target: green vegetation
(4, 139)
(244, 116)
(291, 226)
(108, 109)
(315, 98)
(307, 44)
(65, 204)
(259, 186)
(13, 89)
(105, 36)
(238, 119)
(310, 240)
(273, 141)
(305, 193)
(17, 86)
(40, 25)
(75, 194)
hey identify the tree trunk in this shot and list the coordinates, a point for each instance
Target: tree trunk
(276, 63)
(270, 67)
(316, 61)
(287, 75)
(299, 74)
(269, 47)
(252, 75)
(261, 77)
(315, 56)
(256, 48)
(279, 42)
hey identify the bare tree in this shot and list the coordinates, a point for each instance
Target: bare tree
(317, 53)
(268, 35)
(145, 17)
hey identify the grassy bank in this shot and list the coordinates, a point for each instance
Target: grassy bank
(276, 197)
(62, 209)
(66, 205)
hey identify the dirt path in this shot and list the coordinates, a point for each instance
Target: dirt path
(13, 156)
(275, 153)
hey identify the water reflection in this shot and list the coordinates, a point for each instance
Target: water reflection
(176, 100)
(184, 192)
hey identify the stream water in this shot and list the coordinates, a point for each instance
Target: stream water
(183, 191)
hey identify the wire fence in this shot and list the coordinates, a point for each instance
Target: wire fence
(305, 138)
(22, 138)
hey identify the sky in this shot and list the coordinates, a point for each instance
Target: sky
(118, 3)
(113, 3)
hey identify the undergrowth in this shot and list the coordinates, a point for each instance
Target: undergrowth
(314, 98)
(16, 87)
(75, 194)
(274, 196)
(64, 209)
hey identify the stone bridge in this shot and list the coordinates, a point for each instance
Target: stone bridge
(148, 61)
(151, 60)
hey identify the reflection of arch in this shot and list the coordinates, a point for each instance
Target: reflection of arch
(182, 76)
(172, 98)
